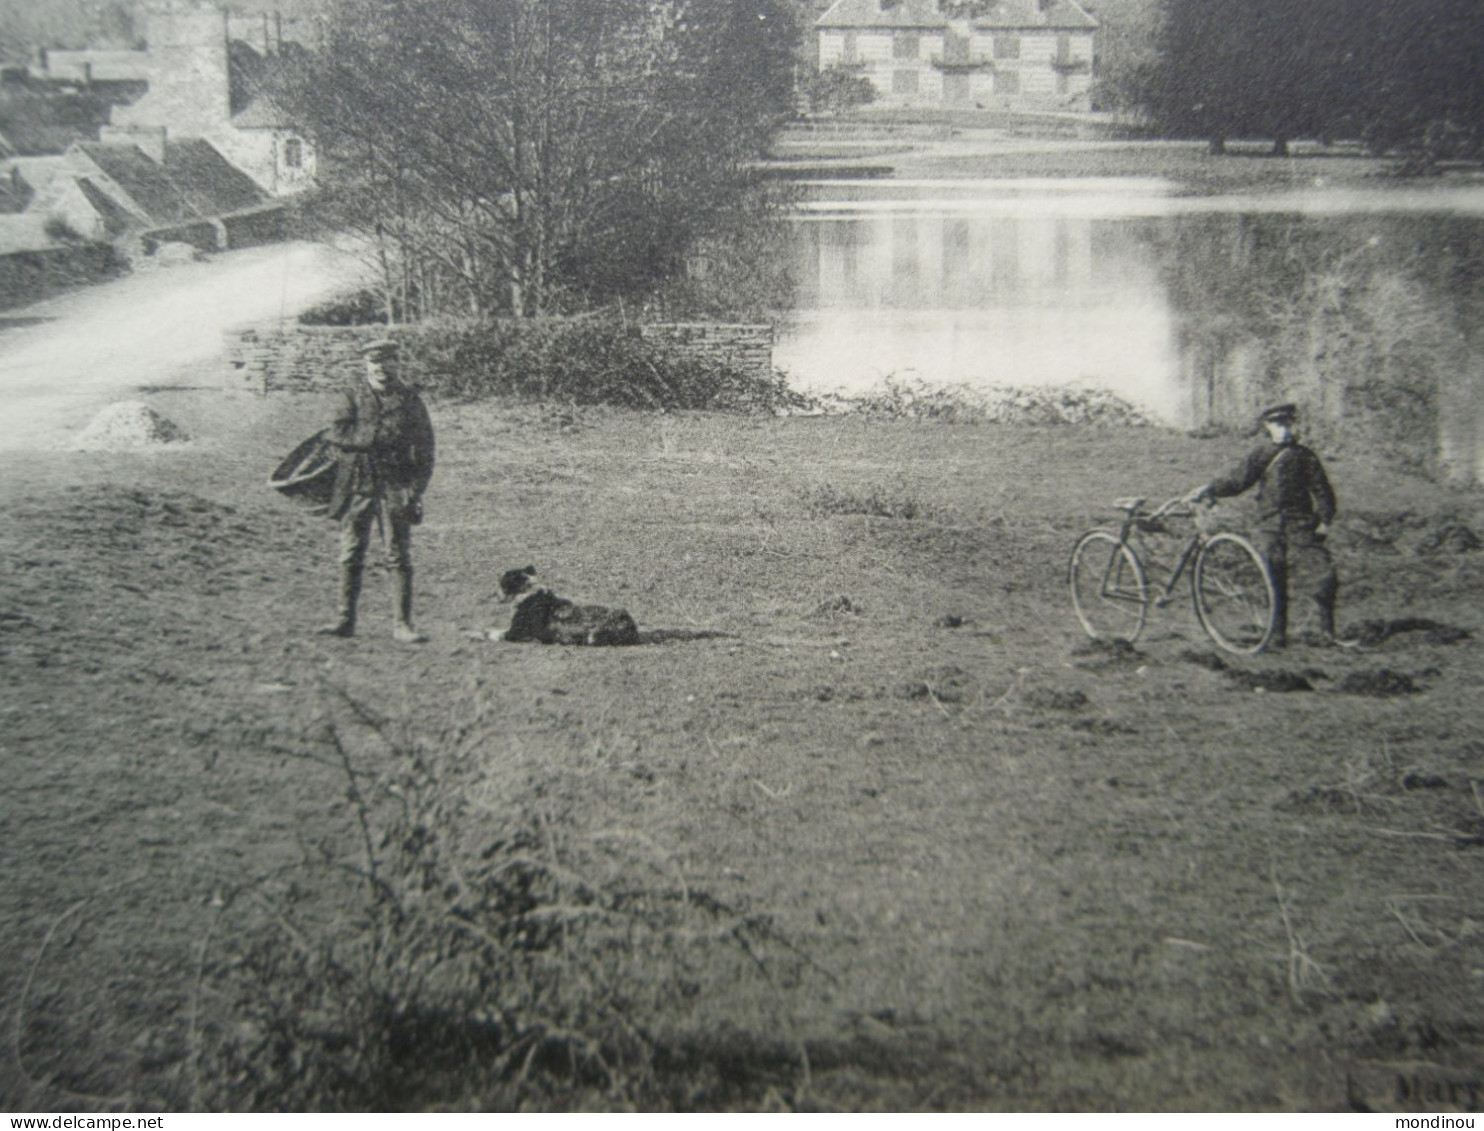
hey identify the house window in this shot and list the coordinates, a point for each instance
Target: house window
(904, 45)
(293, 153)
(904, 82)
(1007, 47)
(1006, 82)
(852, 47)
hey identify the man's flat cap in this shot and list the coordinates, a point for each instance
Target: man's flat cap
(1279, 414)
(380, 350)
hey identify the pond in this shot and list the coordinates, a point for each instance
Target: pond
(1361, 304)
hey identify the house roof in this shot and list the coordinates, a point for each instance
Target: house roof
(988, 14)
(261, 113)
(113, 216)
(208, 182)
(871, 14)
(193, 182)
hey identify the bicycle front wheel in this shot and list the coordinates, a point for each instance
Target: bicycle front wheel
(1234, 594)
(1109, 591)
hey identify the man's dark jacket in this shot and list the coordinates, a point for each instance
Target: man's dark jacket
(1293, 488)
(385, 446)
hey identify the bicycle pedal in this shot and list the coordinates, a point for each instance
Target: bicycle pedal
(1161, 601)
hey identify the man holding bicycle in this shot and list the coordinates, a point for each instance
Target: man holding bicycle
(1295, 505)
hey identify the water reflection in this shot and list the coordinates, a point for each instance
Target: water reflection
(1362, 305)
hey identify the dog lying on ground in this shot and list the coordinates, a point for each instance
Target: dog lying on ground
(544, 618)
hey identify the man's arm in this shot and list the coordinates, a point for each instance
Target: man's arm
(424, 448)
(1324, 494)
(345, 431)
(1240, 479)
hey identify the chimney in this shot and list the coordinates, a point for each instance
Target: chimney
(150, 139)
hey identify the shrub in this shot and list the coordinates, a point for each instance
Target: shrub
(996, 404)
(836, 89)
(361, 308)
(60, 230)
(586, 361)
(465, 956)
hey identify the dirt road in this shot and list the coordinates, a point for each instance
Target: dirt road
(63, 359)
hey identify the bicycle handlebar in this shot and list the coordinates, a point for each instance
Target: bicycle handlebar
(1168, 509)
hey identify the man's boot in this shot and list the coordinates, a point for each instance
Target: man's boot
(1279, 639)
(1324, 605)
(350, 593)
(404, 633)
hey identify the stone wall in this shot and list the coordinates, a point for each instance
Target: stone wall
(249, 228)
(745, 346)
(274, 357)
(252, 227)
(204, 235)
(30, 276)
(300, 359)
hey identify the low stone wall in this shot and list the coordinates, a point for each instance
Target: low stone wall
(289, 357)
(269, 224)
(248, 228)
(743, 346)
(30, 276)
(300, 359)
(203, 235)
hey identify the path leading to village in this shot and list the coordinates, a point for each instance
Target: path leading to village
(64, 359)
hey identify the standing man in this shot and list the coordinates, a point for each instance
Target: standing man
(384, 441)
(1295, 505)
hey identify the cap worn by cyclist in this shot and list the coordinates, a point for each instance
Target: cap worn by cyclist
(1279, 414)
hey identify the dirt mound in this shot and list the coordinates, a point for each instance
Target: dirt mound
(1276, 681)
(1208, 660)
(1054, 699)
(1095, 655)
(1449, 538)
(1373, 632)
(128, 424)
(1383, 684)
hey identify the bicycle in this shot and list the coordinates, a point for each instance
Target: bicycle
(1231, 585)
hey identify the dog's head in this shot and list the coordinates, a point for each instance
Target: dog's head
(514, 582)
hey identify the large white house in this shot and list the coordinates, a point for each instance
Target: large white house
(1003, 54)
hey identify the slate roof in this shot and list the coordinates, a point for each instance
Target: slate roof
(988, 14)
(194, 181)
(115, 219)
(869, 14)
(208, 182)
(261, 113)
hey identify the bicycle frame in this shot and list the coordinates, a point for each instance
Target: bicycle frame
(1130, 525)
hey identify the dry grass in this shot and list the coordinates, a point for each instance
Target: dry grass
(873, 826)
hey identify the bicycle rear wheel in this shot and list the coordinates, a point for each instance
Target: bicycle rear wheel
(1109, 590)
(1234, 594)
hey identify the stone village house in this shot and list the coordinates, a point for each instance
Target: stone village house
(193, 154)
(199, 143)
(990, 54)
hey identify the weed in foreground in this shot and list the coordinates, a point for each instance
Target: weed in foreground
(478, 952)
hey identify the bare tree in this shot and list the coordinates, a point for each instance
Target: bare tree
(523, 156)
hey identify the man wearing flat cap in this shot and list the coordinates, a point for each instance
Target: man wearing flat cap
(384, 442)
(1295, 505)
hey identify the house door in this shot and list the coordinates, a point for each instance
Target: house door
(956, 88)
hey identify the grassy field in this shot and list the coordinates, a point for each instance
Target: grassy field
(866, 823)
